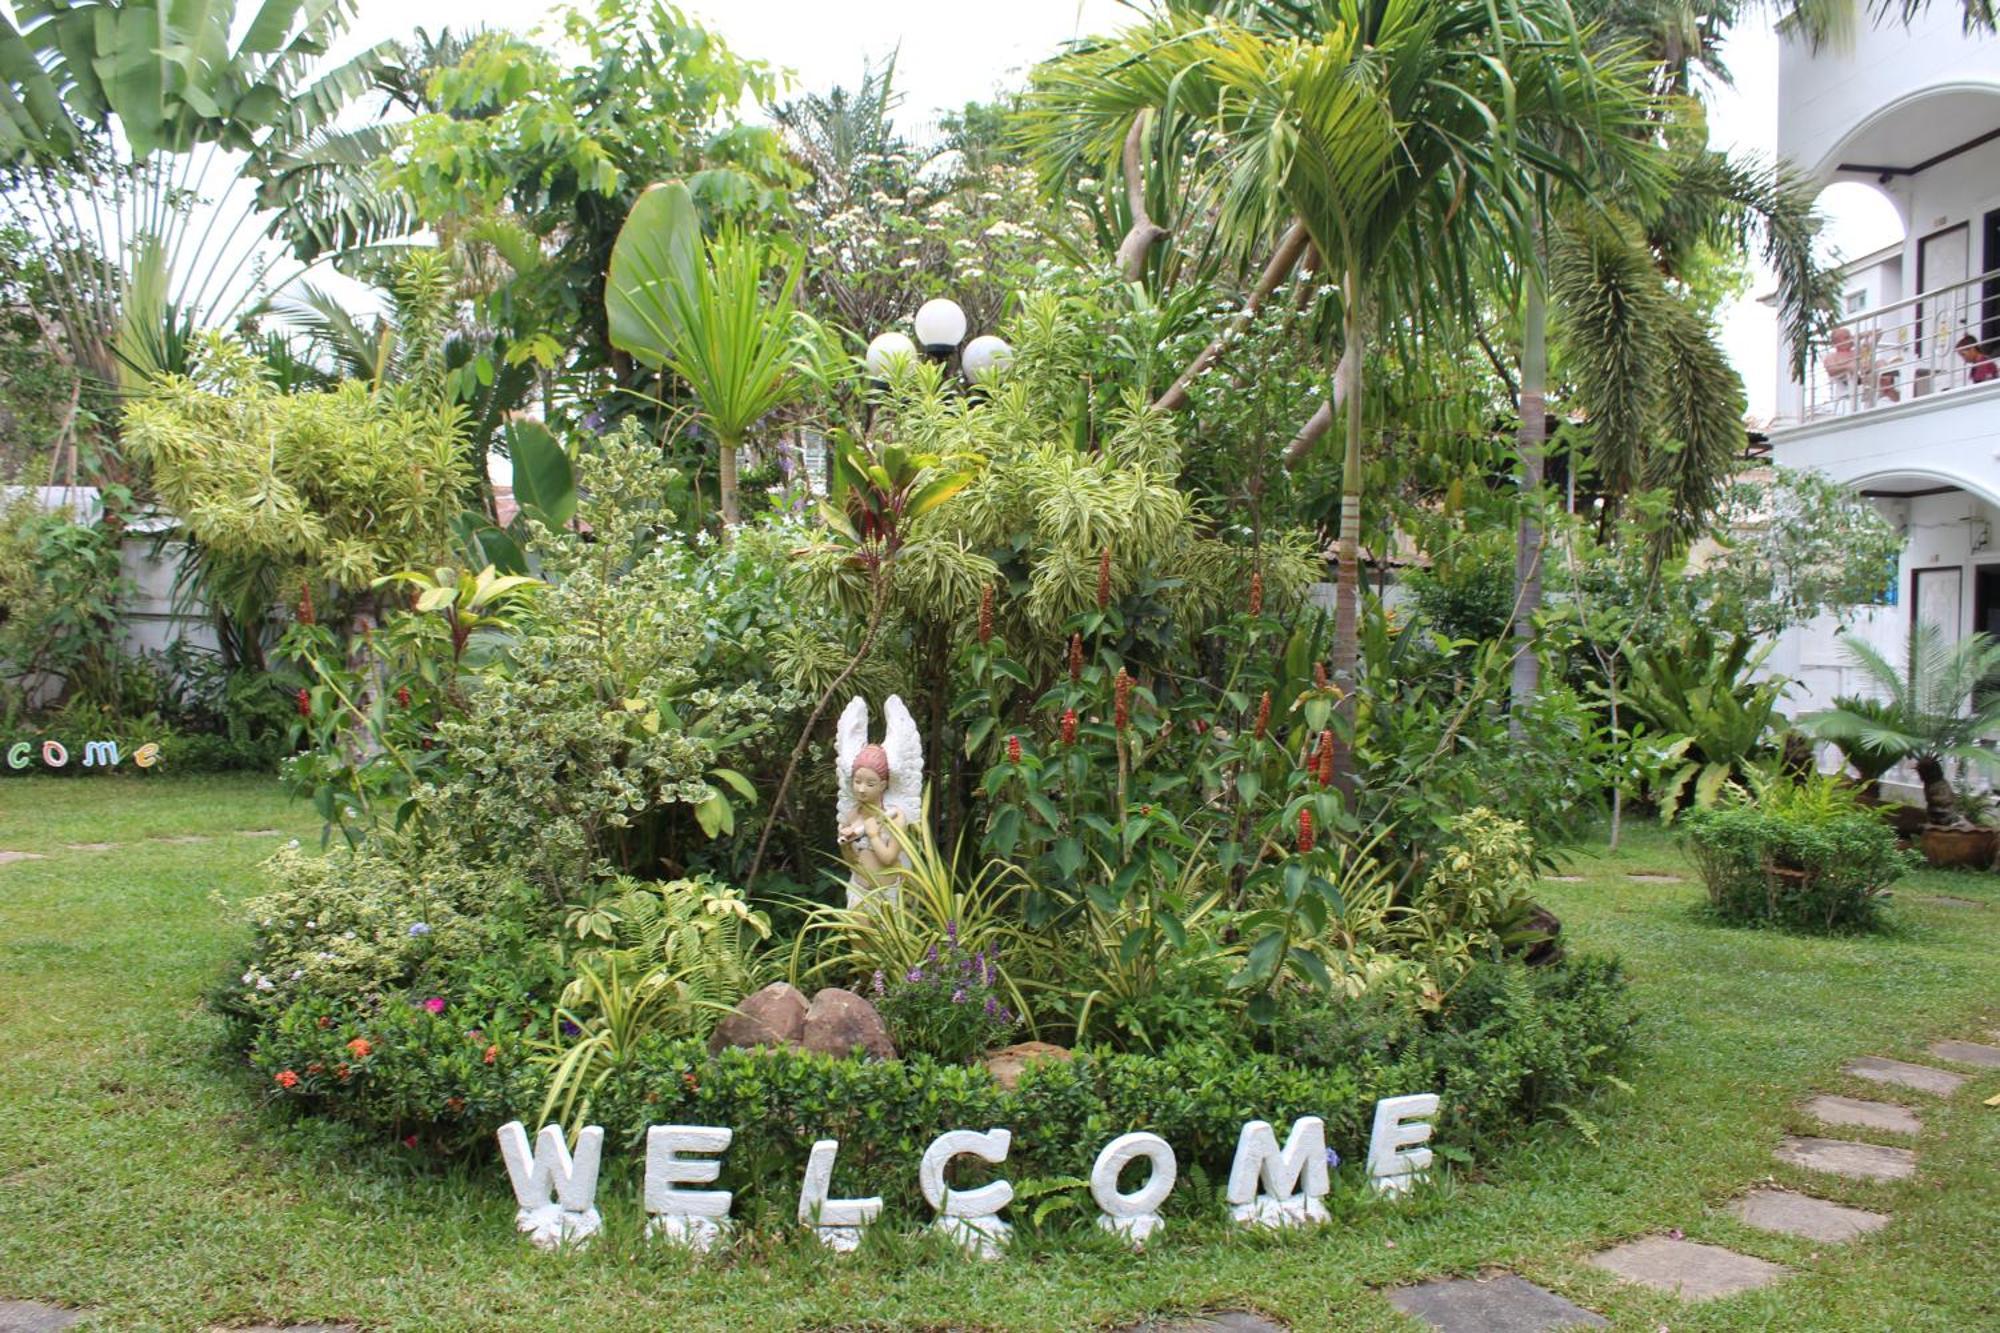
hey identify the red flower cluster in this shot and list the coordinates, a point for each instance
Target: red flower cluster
(285, 1078)
(1323, 762)
(403, 695)
(361, 1047)
(1075, 659)
(1069, 726)
(986, 614)
(1121, 697)
(492, 1053)
(1306, 836)
(305, 611)
(1263, 715)
(1104, 579)
(305, 702)
(1013, 749)
(1257, 592)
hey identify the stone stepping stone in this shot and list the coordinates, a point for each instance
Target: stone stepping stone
(1688, 1269)
(259, 833)
(1856, 1161)
(1222, 1321)
(1500, 1304)
(1967, 1053)
(1885, 1116)
(35, 1317)
(1948, 900)
(1651, 877)
(1563, 879)
(89, 846)
(1802, 1215)
(1903, 1074)
(8, 858)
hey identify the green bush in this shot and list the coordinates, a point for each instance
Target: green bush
(1803, 857)
(1515, 1043)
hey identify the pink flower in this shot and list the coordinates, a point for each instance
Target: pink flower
(435, 1004)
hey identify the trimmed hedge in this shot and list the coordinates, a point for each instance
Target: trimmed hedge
(1515, 1042)
(1813, 869)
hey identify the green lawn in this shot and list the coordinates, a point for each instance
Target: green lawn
(141, 1179)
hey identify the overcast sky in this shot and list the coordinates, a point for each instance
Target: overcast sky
(953, 51)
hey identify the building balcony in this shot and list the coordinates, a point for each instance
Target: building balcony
(1908, 353)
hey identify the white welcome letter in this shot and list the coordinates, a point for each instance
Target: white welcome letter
(968, 1216)
(1136, 1215)
(1400, 1122)
(556, 1194)
(1258, 1161)
(837, 1222)
(694, 1218)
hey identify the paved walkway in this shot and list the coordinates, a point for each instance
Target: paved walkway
(1692, 1271)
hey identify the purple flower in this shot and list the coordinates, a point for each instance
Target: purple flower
(878, 983)
(418, 930)
(930, 955)
(1332, 1159)
(951, 933)
(435, 1004)
(570, 1029)
(1006, 1015)
(915, 974)
(958, 995)
(992, 1007)
(985, 970)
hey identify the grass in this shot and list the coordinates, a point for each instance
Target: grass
(142, 1180)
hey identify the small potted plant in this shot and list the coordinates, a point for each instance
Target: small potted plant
(1932, 709)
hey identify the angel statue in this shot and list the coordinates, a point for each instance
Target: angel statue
(881, 789)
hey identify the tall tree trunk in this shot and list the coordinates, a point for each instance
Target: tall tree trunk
(726, 482)
(1527, 677)
(1144, 233)
(1283, 260)
(1939, 808)
(1347, 587)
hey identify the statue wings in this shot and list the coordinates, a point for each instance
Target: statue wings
(905, 747)
(850, 734)
(901, 741)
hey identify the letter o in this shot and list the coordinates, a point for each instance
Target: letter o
(1118, 1154)
(53, 754)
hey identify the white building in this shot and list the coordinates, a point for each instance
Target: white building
(1905, 406)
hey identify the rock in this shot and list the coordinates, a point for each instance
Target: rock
(1804, 1216)
(1901, 1073)
(1007, 1063)
(840, 1020)
(1866, 1115)
(1500, 1304)
(1691, 1271)
(773, 1016)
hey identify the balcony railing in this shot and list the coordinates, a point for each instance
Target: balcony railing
(1909, 349)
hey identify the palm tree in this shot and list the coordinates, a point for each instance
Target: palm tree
(1390, 131)
(1935, 708)
(701, 309)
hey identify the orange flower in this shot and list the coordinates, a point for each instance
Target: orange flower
(492, 1053)
(1104, 579)
(1263, 715)
(1257, 592)
(1121, 698)
(361, 1047)
(1324, 764)
(285, 1078)
(341, 1072)
(1306, 837)
(454, 1104)
(1075, 658)
(315, 1068)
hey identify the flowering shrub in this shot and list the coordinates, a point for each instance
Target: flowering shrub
(948, 1005)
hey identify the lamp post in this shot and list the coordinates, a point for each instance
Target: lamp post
(940, 326)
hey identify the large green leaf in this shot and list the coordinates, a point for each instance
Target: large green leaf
(658, 251)
(544, 481)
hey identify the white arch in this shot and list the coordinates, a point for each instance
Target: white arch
(1823, 170)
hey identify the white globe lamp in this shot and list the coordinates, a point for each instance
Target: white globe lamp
(940, 326)
(887, 349)
(985, 357)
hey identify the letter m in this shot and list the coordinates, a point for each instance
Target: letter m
(101, 754)
(1258, 1161)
